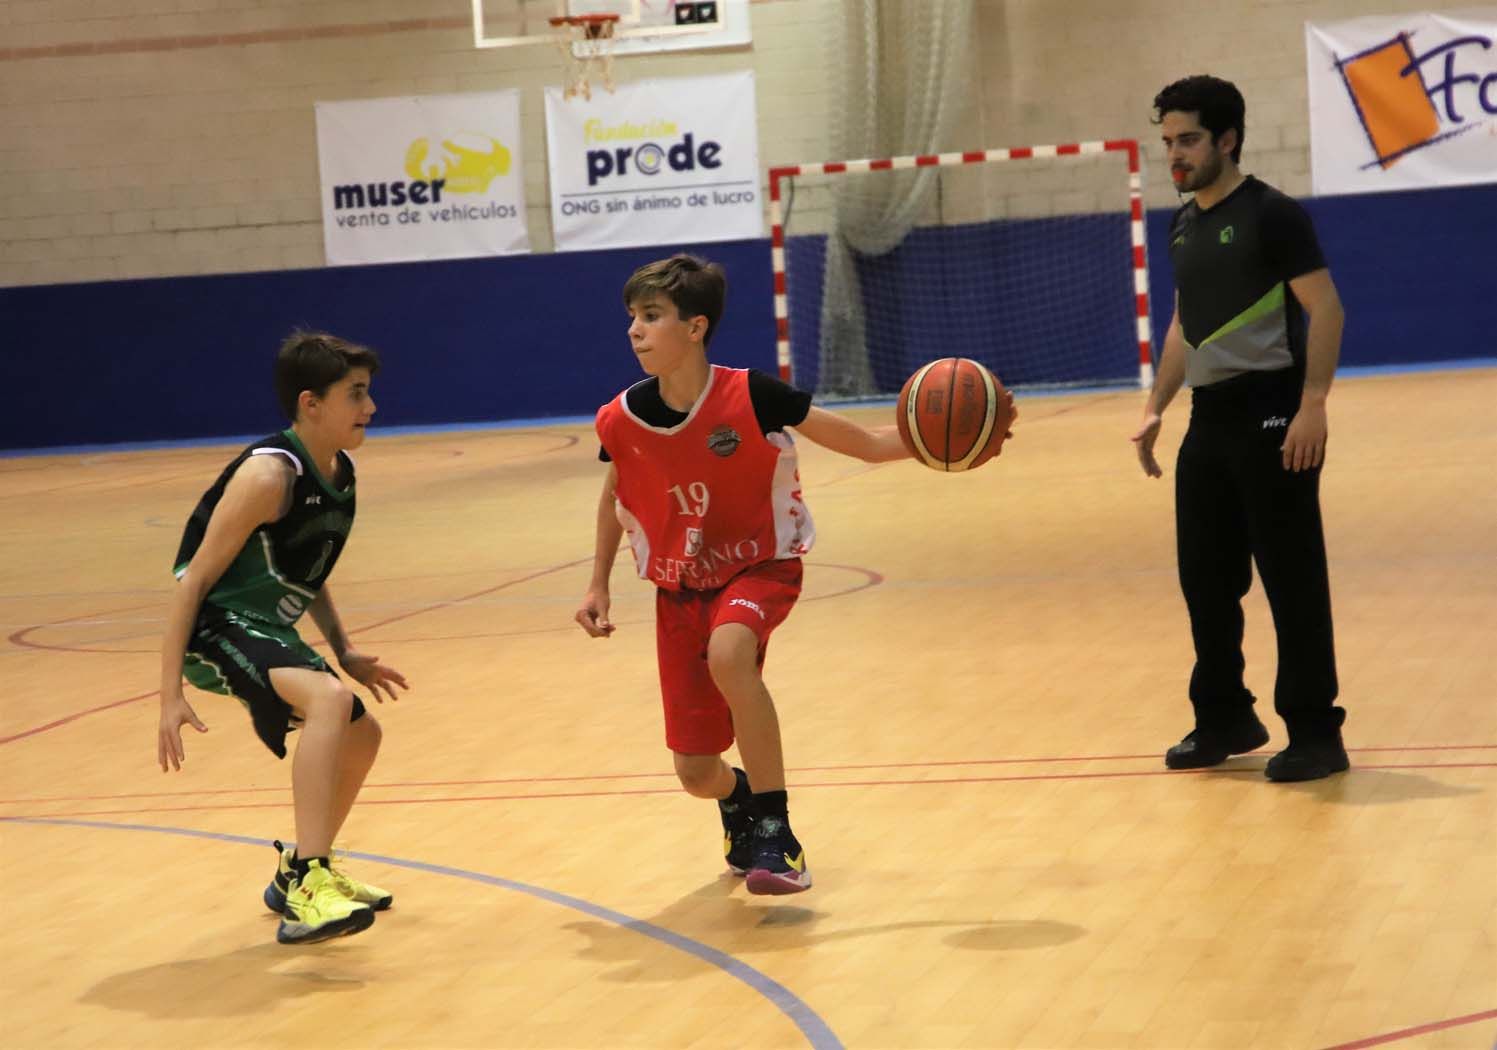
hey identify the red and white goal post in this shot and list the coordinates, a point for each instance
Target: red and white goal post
(1026, 271)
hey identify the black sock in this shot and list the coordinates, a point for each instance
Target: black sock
(741, 795)
(302, 865)
(772, 804)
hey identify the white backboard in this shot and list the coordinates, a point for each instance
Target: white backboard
(644, 26)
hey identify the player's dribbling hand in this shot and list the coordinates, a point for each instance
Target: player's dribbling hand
(593, 615)
(1143, 442)
(369, 672)
(1013, 417)
(175, 712)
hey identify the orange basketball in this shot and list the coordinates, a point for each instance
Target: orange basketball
(954, 414)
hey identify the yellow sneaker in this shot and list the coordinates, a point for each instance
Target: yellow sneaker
(275, 892)
(316, 910)
(355, 890)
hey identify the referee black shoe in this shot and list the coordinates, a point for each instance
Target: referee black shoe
(1313, 759)
(1203, 748)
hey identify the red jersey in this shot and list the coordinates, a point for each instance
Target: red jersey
(705, 499)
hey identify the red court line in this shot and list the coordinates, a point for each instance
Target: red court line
(857, 472)
(1429, 747)
(23, 640)
(798, 786)
(1431, 765)
(1408, 1033)
(18, 639)
(872, 579)
(844, 767)
(106, 486)
(75, 716)
(1112, 758)
(566, 442)
(476, 594)
(869, 467)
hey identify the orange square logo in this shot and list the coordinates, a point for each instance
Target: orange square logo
(1391, 99)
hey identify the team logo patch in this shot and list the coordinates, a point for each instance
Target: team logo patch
(724, 440)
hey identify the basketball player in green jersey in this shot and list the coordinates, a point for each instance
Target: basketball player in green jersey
(255, 555)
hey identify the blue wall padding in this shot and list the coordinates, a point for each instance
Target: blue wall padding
(516, 337)
(1417, 273)
(532, 336)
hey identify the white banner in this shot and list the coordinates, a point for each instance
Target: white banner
(1403, 101)
(655, 162)
(421, 178)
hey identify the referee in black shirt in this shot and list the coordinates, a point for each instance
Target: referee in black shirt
(1247, 482)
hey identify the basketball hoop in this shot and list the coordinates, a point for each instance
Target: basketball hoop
(585, 41)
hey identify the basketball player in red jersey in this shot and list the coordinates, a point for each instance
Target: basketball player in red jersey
(703, 478)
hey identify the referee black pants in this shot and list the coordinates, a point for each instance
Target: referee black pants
(1236, 505)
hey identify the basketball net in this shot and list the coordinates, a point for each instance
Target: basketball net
(586, 43)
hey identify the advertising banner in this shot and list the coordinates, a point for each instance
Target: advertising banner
(421, 178)
(655, 162)
(1402, 102)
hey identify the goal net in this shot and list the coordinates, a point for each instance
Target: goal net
(1028, 260)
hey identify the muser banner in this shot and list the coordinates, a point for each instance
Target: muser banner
(655, 162)
(438, 177)
(1402, 101)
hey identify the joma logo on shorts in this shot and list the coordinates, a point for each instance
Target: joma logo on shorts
(1275, 421)
(747, 605)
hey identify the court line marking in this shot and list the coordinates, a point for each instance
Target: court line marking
(150, 477)
(844, 767)
(77, 715)
(21, 637)
(795, 786)
(872, 579)
(816, 1031)
(537, 428)
(18, 638)
(1407, 1033)
(1099, 392)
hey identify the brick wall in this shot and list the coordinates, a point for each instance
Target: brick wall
(149, 138)
(167, 137)
(1064, 70)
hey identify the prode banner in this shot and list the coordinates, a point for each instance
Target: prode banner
(655, 162)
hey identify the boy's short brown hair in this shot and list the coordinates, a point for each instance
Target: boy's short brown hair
(696, 286)
(315, 361)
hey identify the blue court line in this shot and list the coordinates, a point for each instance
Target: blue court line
(1465, 364)
(817, 1032)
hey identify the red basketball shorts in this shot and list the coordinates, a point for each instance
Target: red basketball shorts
(697, 719)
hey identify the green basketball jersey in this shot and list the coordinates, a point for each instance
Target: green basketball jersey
(285, 563)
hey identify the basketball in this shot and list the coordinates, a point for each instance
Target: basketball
(954, 414)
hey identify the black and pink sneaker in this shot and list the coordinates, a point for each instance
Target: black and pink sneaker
(738, 828)
(779, 865)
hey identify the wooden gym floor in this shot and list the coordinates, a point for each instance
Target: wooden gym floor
(976, 690)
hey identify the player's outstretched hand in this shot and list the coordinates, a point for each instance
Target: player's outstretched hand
(1143, 442)
(175, 712)
(368, 671)
(593, 614)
